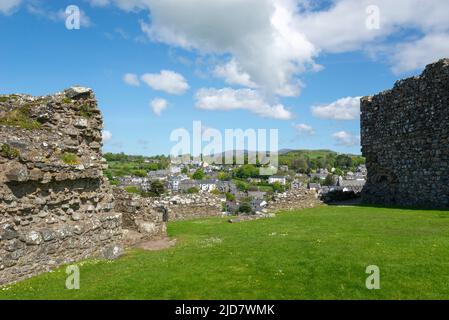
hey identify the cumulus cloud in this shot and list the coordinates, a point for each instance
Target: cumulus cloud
(304, 129)
(342, 109)
(232, 74)
(415, 55)
(246, 99)
(271, 43)
(343, 27)
(346, 139)
(107, 136)
(258, 34)
(158, 105)
(8, 6)
(167, 81)
(131, 79)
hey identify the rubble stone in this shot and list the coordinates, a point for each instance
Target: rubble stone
(405, 137)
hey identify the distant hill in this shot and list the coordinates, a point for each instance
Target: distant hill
(313, 159)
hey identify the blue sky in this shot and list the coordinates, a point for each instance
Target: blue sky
(297, 66)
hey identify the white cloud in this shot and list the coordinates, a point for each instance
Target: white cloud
(8, 6)
(342, 109)
(346, 139)
(342, 28)
(246, 99)
(272, 42)
(167, 81)
(232, 74)
(415, 55)
(158, 105)
(258, 34)
(107, 136)
(304, 129)
(131, 79)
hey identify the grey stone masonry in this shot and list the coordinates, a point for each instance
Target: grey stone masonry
(55, 205)
(405, 139)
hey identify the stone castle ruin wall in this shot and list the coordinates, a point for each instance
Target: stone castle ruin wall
(55, 205)
(405, 139)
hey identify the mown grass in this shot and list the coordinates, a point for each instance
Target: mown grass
(319, 253)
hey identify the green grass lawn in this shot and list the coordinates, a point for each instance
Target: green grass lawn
(319, 253)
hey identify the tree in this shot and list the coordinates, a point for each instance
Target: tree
(343, 161)
(245, 207)
(277, 187)
(247, 171)
(199, 175)
(157, 188)
(184, 170)
(230, 196)
(223, 176)
(329, 181)
(338, 172)
(241, 186)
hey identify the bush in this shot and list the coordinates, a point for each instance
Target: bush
(245, 207)
(277, 187)
(193, 190)
(223, 176)
(157, 188)
(199, 174)
(230, 197)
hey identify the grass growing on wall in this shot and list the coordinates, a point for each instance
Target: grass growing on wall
(70, 158)
(20, 117)
(319, 253)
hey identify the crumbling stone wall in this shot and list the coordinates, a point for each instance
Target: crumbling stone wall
(405, 139)
(55, 206)
(191, 206)
(151, 213)
(295, 199)
(140, 214)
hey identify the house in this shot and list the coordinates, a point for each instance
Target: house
(281, 179)
(320, 174)
(132, 181)
(173, 183)
(159, 174)
(350, 175)
(208, 185)
(283, 168)
(175, 169)
(351, 185)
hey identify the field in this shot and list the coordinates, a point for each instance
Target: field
(319, 253)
